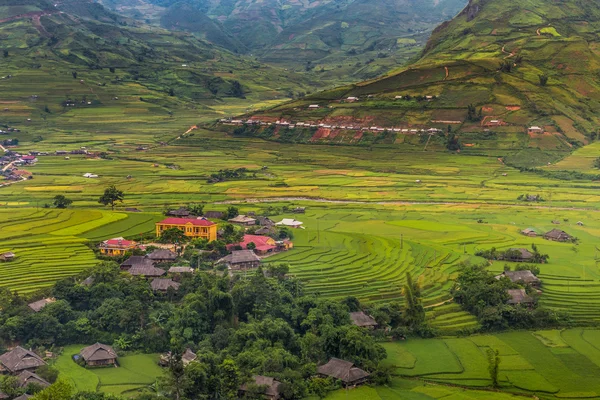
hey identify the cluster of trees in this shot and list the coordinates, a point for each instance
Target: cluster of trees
(238, 326)
(473, 115)
(513, 255)
(480, 293)
(229, 175)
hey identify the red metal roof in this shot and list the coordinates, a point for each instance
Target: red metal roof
(183, 221)
(261, 242)
(119, 243)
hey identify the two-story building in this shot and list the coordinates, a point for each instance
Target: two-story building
(195, 228)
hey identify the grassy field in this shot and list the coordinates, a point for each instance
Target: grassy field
(548, 364)
(134, 374)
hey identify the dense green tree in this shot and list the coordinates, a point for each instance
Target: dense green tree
(60, 201)
(494, 366)
(173, 236)
(111, 196)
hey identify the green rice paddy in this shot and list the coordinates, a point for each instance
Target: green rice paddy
(531, 362)
(134, 374)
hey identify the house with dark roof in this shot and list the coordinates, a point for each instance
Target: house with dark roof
(214, 214)
(359, 318)
(38, 305)
(241, 260)
(19, 359)
(98, 355)
(525, 277)
(181, 212)
(518, 255)
(343, 370)
(8, 256)
(265, 221)
(27, 377)
(148, 271)
(163, 285)
(529, 232)
(187, 357)
(243, 220)
(557, 235)
(136, 261)
(270, 387)
(181, 270)
(519, 296)
(162, 255)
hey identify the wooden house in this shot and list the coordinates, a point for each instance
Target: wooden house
(360, 319)
(19, 359)
(525, 277)
(38, 305)
(557, 235)
(26, 378)
(519, 296)
(241, 260)
(162, 255)
(271, 387)
(163, 285)
(98, 355)
(345, 371)
(243, 220)
(8, 256)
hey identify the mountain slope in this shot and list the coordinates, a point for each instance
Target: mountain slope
(84, 37)
(362, 37)
(519, 63)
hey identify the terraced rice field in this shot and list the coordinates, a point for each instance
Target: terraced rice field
(49, 244)
(549, 364)
(348, 250)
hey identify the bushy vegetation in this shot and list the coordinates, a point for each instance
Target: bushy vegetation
(479, 292)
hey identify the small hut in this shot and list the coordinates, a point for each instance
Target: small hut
(99, 355)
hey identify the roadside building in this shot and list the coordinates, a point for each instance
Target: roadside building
(262, 244)
(196, 228)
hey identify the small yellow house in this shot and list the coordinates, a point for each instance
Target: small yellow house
(116, 247)
(196, 228)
